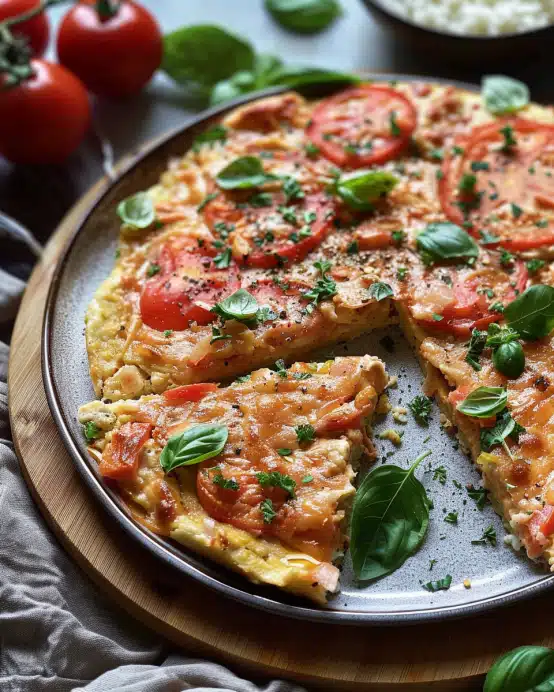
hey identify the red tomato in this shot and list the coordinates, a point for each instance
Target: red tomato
(184, 291)
(36, 30)
(470, 308)
(189, 392)
(539, 528)
(43, 119)
(514, 189)
(113, 56)
(121, 463)
(363, 125)
(267, 236)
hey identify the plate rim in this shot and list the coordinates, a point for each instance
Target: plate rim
(155, 545)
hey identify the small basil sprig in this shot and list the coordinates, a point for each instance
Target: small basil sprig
(243, 173)
(445, 241)
(504, 427)
(484, 402)
(360, 191)
(215, 65)
(503, 94)
(532, 313)
(525, 669)
(195, 444)
(390, 517)
(304, 16)
(137, 211)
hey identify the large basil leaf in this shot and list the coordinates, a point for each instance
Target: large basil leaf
(195, 444)
(532, 313)
(240, 305)
(304, 16)
(242, 173)
(503, 94)
(484, 402)
(389, 520)
(203, 55)
(446, 241)
(526, 669)
(361, 190)
(137, 211)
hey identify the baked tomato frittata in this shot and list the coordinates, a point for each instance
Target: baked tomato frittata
(292, 224)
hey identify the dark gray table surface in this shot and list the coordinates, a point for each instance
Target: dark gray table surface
(39, 197)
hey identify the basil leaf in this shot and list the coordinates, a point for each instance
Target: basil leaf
(504, 427)
(240, 83)
(525, 669)
(299, 75)
(503, 94)
(361, 190)
(439, 585)
(202, 55)
(532, 313)
(137, 211)
(484, 402)
(265, 67)
(446, 241)
(195, 444)
(304, 16)
(380, 290)
(244, 172)
(390, 517)
(240, 305)
(214, 134)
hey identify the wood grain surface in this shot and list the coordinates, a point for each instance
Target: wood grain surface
(452, 655)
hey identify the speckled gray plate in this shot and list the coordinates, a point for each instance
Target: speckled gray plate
(497, 574)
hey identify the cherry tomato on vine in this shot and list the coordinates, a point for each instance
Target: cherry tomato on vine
(36, 30)
(113, 47)
(44, 118)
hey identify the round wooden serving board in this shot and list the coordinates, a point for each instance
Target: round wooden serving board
(450, 655)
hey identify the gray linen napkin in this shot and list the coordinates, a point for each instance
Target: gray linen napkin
(57, 632)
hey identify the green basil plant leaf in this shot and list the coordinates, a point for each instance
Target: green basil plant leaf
(240, 83)
(195, 444)
(484, 402)
(137, 211)
(446, 241)
(503, 94)
(304, 16)
(525, 669)
(390, 517)
(203, 55)
(240, 305)
(361, 190)
(380, 290)
(532, 313)
(244, 172)
(504, 427)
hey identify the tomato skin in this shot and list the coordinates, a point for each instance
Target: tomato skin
(189, 392)
(36, 30)
(375, 95)
(114, 57)
(542, 522)
(45, 118)
(127, 441)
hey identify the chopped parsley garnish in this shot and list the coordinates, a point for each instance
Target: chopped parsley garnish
(497, 307)
(305, 433)
(439, 585)
(280, 368)
(432, 563)
(534, 265)
(301, 375)
(260, 199)
(516, 210)
(398, 236)
(243, 378)
(153, 269)
(401, 273)
(207, 199)
(308, 478)
(223, 259)
(478, 495)
(276, 479)
(506, 258)
(489, 536)
(284, 451)
(225, 483)
(467, 183)
(292, 189)
(268, 513)
(488, 238)
(475, 348)
(218, 335)
(457, 151)
(420, 407)
(324, 287)
(509, 140)
(311, 150)
(168, 333)
(352, 248)
(542, 223)
(223, 229)
(451, 518)
(289, 215)
(504, 427)
(439, 175)
(436, 155)
(439, 474)
(394, 129)
(437, 317)
(91, 430)
(479, 166)
(218, 133)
